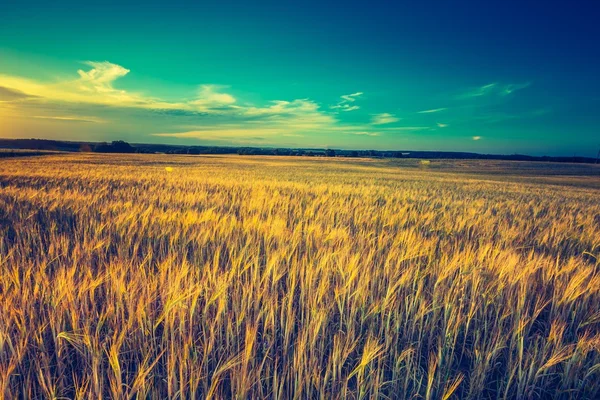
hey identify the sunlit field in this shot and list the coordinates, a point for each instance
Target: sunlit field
(155, 276)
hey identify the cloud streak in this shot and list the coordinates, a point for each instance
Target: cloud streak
(347, 102)
(212, 97)
(70, 118)
(363, 133)
(493, 89)
(101, 77)
(213, 113)
(435, 110)
(96, 85)
(384, 118)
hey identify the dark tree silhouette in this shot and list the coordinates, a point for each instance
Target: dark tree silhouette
(117, 146)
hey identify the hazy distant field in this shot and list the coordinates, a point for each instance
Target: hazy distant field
(220, 277)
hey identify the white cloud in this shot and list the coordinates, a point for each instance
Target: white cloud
(101, 76)
(96, 86)
(93, 95)
(277, 107)
(224, 132)
(384, 118)
(279, 118)
(407, 128)
(494, 89)
(299, 114)
(70, 118)
(346, 103)
(351, 97)
(476, 138)
(441, 125)
(482, 90)
(211, 97)
(513, 87)
(364, 133)
(435, 110)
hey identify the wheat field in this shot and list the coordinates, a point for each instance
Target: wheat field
(154, 276)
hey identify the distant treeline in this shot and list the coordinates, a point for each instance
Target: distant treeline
(120, 146)
(23, 153)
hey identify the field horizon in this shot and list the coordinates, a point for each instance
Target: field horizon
(123, 147)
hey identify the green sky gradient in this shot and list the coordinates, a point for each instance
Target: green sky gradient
(495, 79)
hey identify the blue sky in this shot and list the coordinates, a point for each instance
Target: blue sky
(502, 77)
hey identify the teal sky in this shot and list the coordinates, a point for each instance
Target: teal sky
(503, 77)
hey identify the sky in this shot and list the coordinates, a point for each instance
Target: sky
(483, 76)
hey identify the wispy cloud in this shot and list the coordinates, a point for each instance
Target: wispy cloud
(442, 125)
(71, 118)
(101, 77)
(364, 133)
(96, 85)
(407, 128)
(481, 91)
(476, 137)
(223, 132)
(93, 95)
(212, 97)
(493, 89)
(351, 97)
(384, 118)
(278, 118)
(216, 111)
(435, 110)
(295, 115)
(346, 104)
(513, 87)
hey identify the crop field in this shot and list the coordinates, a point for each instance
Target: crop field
(155, 276)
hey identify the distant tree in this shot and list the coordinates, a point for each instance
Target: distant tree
(103, 148)
(120, 146)
(330, 153)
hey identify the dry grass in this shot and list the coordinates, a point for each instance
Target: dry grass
(224, 277)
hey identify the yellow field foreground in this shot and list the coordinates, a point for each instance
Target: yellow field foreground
(157, 276)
